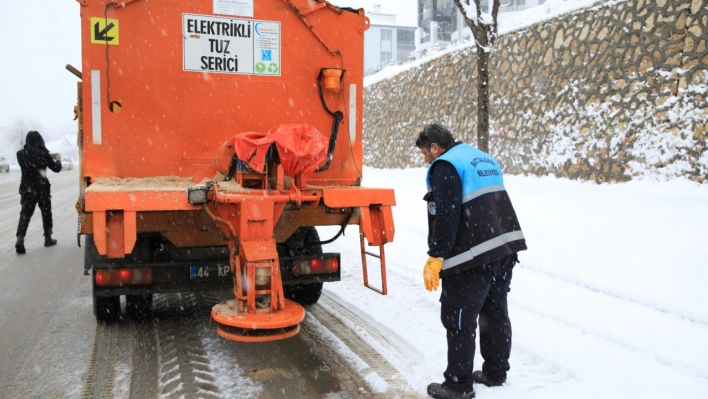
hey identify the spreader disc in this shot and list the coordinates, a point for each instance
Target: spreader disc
(243, 335)
(226, 313)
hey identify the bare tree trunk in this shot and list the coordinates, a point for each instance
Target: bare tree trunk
(484, 36)
(483, 100)
(481, 35)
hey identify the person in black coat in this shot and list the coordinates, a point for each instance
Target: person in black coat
(34, 159)
(474, 236)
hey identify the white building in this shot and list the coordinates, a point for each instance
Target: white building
(439, 21)
(386, 41)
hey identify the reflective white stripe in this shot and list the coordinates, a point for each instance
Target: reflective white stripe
(482, 248)
(482, 191)
(96, 106)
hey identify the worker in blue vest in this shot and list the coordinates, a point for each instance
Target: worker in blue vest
(473, 240)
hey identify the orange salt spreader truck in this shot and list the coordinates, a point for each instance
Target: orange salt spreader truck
(214, 135)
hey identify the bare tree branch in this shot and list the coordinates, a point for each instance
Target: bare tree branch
(463, 5)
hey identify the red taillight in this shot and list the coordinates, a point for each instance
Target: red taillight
(103, 277)
(315, 266)
(332, 265)
(123, 277)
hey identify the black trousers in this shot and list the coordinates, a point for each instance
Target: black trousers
(477, 293)
(29, 201)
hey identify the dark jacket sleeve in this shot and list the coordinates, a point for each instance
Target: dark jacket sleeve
(447, 193)
(53, 164)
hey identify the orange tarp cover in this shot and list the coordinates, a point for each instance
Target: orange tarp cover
(301, 148)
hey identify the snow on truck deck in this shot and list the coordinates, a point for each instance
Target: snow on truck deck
(160, 183)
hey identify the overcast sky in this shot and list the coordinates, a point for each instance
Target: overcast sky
(39, 37)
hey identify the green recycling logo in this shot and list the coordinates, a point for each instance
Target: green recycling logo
(273, 68)
(260, 67)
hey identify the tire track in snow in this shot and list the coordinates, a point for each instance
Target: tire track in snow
(183, 362)
(143, 361)
(603, 291)
(101, 372)
(359, 337)
(636, 351)
(533, 370)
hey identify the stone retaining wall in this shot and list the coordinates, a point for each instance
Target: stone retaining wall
(603, 94)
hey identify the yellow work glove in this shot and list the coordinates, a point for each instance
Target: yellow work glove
(431, 273)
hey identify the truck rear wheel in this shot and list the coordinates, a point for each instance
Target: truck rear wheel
(139, 307)
(304, 294)
(105, 308)
(89, 260)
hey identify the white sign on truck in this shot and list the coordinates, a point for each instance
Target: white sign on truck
(242, 8)
(230, 45)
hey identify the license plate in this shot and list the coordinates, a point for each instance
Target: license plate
(209, 272)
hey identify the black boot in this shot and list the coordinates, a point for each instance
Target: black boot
(442, 391)
(49, 241)
(481, 378)
(20, 245)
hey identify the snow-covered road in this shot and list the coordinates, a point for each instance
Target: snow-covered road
(609, 300)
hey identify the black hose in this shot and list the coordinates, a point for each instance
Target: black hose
(338, 117)
(232, 168)
(341, 231)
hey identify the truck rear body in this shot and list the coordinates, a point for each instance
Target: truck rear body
(167, 88)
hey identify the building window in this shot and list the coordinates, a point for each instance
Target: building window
(405, 43)
(406, 38)
(386, 46)
(442, 12)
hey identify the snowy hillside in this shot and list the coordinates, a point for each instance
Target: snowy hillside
(586, 95)
(608, 302)
(508, 22)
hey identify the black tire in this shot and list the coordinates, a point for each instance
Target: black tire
(105, 308)
(89, 259)
(139, 307)
(304, 294)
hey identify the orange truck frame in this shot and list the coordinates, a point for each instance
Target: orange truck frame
(165, 205)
